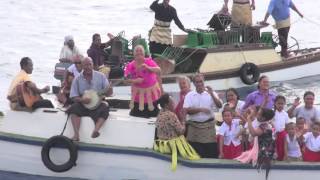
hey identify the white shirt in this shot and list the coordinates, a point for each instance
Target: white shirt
(203, 100)
(67, 53)
(307, 114)
(312, 143)
(73, 69)
(239, 106)
(230, 133)
(280, 120)
(293, 147)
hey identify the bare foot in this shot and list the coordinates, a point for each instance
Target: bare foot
(95, 134)
(75, 138)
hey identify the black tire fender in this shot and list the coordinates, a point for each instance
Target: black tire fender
(55, 141)
(249, 73)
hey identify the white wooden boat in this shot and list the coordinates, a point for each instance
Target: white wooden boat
(123, 151)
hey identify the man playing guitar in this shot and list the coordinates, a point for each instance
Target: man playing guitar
(23, 93)
(89, 80)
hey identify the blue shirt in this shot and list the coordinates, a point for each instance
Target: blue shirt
(79, 84)
(280, 9)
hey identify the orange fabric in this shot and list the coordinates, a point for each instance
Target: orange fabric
(20, 77)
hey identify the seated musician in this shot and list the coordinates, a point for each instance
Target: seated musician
(73, 71)
(88, 79)
(23, 94)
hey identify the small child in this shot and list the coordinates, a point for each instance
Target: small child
(292, 151)
(312, 143)
(229, 136)
(301, 127)
(281, 118)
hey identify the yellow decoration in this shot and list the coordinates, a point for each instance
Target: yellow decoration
(173, 146)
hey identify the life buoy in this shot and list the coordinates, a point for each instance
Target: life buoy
(60, 141)
(249, 73)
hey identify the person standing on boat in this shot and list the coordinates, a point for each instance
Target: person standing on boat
(241, 13)
(280, 11)
(259, 96)
(185, 88)
(23, 94)
(96, 50)
(88, 79)
(308, 112)
(69, 50)
(200, 105)
(160, 34)
(145, 90)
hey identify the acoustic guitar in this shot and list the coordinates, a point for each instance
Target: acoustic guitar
(25, 95)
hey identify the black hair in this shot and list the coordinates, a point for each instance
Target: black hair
(266, 114)
(316, 123)
(164, 100)
(290, 124)
(24, 61)
(94, 36)
(234, 91)
(227, 109)
(260, 79)
(308, 93)
(277, 98)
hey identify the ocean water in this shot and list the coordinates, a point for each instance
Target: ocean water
(36, 28)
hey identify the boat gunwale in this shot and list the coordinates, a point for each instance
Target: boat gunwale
(202, 163)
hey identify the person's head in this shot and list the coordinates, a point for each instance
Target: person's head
(263, 83)
(87, 65)
(291, 128)
(198, 81)
(69, 41)
(166, 102)
(232, 95)
(227, 115)
(139, 53)
(315, 128)
(308, 98)
(77, 60)
(96, 39)
(184, 83)
(300, 122)
(265, 114)
(166, 2)
(279, 103)
(26, 64)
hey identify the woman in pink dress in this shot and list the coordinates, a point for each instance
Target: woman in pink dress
(145, 90)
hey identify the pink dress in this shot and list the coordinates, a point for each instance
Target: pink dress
(149, 90)
(250, 155)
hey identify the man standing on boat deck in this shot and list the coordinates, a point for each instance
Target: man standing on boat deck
(160, 34)
(88, 79)
(280, 11)
(200, 105)
(241, 12)
(17, 99)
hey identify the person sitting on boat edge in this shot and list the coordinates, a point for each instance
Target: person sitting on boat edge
(292, 150)
(69, 50)
(170, 133)
(280, 11)
(241, 12)
(145, 90)
(72, 71)
(229, 135)
(96, 50)
(160, 34)
(200, 105)
(185, 87)
(23, 94)
(88, 79)
(308, 111)
(257, 97)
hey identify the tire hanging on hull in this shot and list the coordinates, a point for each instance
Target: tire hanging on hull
(249, 73)
(59, 141)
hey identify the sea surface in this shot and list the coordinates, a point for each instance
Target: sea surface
(36, 28)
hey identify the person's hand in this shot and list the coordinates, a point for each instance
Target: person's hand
(253, 6)
(145, 66)
(111, 36)
(263, 23)
(225, 8)
(209, 90)
(138, 80)
(46, 89)
(296, 102)
(85, 100)
(205, 110)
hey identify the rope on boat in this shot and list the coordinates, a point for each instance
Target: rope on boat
(187, 57)
(173, 146)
